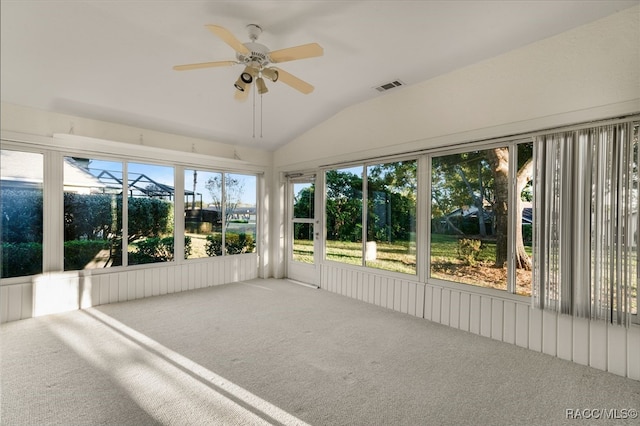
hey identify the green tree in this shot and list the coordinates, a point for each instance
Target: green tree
(90, 216)
(481, 178)
(303, 202)
(149, 217)
(21, 215)
(391, 199)
(461, 180)
(344, 206)
(303, 207)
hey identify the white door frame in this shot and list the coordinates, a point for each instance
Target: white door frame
(300, 271)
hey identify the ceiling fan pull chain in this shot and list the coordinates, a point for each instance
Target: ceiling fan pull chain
(254, 114)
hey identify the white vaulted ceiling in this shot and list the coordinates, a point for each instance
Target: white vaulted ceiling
(112, 60)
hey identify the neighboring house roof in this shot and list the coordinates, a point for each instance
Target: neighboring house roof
(527, 215)
(472, 211)
(26, 169)
(77, 176)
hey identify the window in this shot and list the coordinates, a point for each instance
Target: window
(524, 219)
(21, 197)
(202, 213)
(470, 217)
(229, 204)
(116, 213)
(390, 220)
(150, 213)
(303, 226)
(92, 213)
(240, 213)
(344, 215)
(391, 216)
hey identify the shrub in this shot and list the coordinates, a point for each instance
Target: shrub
(78, 253)
(156, 249)
(149, 217)
(91, 216)
(239, 243)
(21, 215)
(188, 248)
(469, 250)
(235, 244)
(214, 245)
(20, 259)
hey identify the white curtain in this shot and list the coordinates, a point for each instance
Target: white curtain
(586, 222)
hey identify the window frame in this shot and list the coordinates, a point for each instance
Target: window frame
(122, 163)
(47, 237)
(512, 145)
(55, 148)
(364, 213)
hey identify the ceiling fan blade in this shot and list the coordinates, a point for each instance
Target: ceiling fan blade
(304, 51)
(204, 65)
(242, 96)
(228, 38)
(295, 82)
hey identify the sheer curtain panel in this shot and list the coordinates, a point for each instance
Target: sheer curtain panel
(586, 205)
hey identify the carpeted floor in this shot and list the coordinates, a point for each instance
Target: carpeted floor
(273, 352)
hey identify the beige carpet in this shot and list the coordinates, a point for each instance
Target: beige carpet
(273, 352)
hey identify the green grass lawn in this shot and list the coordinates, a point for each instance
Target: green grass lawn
(401, 257)
(443, 248)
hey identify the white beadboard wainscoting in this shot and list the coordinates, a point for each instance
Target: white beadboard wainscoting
(63, 291)
(594, 343)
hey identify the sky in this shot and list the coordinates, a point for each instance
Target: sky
(165, 175)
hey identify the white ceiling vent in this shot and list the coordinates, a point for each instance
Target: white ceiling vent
(389, 86)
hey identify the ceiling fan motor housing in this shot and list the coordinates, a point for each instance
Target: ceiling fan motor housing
(258, 55)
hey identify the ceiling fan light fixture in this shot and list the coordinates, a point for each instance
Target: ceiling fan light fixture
(240, 84)
(248, 74)
(271, 74)
(262, 88)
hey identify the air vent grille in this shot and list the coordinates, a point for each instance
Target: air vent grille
(389, 86)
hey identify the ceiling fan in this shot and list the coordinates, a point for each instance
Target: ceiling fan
(257, 59)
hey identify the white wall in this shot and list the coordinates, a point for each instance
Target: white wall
(31, 121)
(591, 72)
(50, 293)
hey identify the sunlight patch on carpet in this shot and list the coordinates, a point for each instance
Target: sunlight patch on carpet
(162, 382)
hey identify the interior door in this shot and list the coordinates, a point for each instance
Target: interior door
(303, 239)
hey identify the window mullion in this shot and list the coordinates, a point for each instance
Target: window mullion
(53, 208)
(512, 211)
(223, 212)
(178, 215)
(364, 212)
(423, 231)
(125, 214)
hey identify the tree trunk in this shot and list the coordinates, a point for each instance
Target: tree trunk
(499, 161)
(480, 204)
(522, 177)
